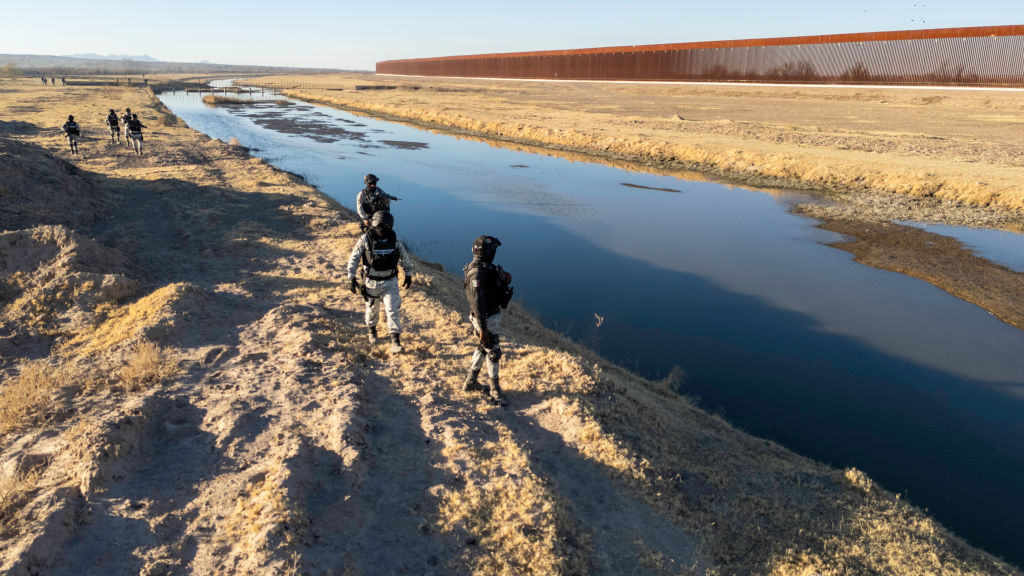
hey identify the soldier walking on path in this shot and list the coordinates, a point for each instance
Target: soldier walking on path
(115, 127)
(134, 129)
(124, 120)
(371, 200)
(381, 253)
(72, 133)
(488, 291)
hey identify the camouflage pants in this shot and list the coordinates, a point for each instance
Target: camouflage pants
(386, 291)
(491, 354)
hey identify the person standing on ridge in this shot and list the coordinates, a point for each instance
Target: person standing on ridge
(72, 133)
(488, 291)
(371, 200)
(115, 127)
(381, 253)
(134, 129)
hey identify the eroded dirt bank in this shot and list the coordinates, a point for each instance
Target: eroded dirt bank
(874, 156)
(187, 390)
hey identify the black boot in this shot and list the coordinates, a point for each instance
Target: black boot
(496, 395)
(372, 335)
(396, 343)
(472, 384)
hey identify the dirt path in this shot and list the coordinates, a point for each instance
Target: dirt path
(204, 401)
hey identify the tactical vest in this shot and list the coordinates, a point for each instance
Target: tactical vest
(497, 292)
(382, 255)
(134, 126)
(71, 128)
(112, 120)
(375, 202)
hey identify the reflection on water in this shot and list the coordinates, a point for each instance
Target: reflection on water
(791, 339)
(1001, 247)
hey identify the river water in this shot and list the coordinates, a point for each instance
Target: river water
(788, 338)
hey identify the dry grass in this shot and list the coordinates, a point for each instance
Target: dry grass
(266, 525)
(147, 366)
(25, 399)
(215, 100)
(519, 526)
(13, 489)
(130, 321)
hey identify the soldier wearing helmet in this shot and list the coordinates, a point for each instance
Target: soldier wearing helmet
(488, 291)
(124, 120)
(381, 254)
(371, 200)
(115, 127)
(134, 128)
(71, 132)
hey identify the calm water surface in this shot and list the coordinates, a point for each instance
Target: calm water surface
(789, 338)
(1001, 247)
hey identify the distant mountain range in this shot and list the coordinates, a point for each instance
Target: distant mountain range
(94, 56)
(124, 65)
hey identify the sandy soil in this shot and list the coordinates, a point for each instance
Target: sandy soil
(187, 390)
(873, 156)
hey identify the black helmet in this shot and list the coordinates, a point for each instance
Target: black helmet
(135, 116)
(111, 110)
(127, 109)
(382, 219)
(485, 247)
(71, 118)
(370, 179)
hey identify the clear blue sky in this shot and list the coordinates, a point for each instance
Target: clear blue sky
(356, 35)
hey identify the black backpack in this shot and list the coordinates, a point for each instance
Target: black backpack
(382, 252)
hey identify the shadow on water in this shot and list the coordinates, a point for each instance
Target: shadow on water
(951, 444)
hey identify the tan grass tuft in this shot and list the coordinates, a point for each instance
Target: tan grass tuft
(858, 480)
(13, 489)
(24, 399)
(147, 366)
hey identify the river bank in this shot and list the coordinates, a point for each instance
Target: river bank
(874, 156)
(212, 404)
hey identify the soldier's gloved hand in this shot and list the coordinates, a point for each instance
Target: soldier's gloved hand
(407, 282)
(353, 285)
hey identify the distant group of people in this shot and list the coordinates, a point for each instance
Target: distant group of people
(129, 120)
(53, 81)
(488, 286)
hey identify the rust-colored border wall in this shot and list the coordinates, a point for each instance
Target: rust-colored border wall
(981, 56)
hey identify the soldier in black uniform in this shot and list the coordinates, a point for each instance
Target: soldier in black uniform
(115, 127)
(371, 200)
(488, 290)
(134, 128)
(71, 132)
